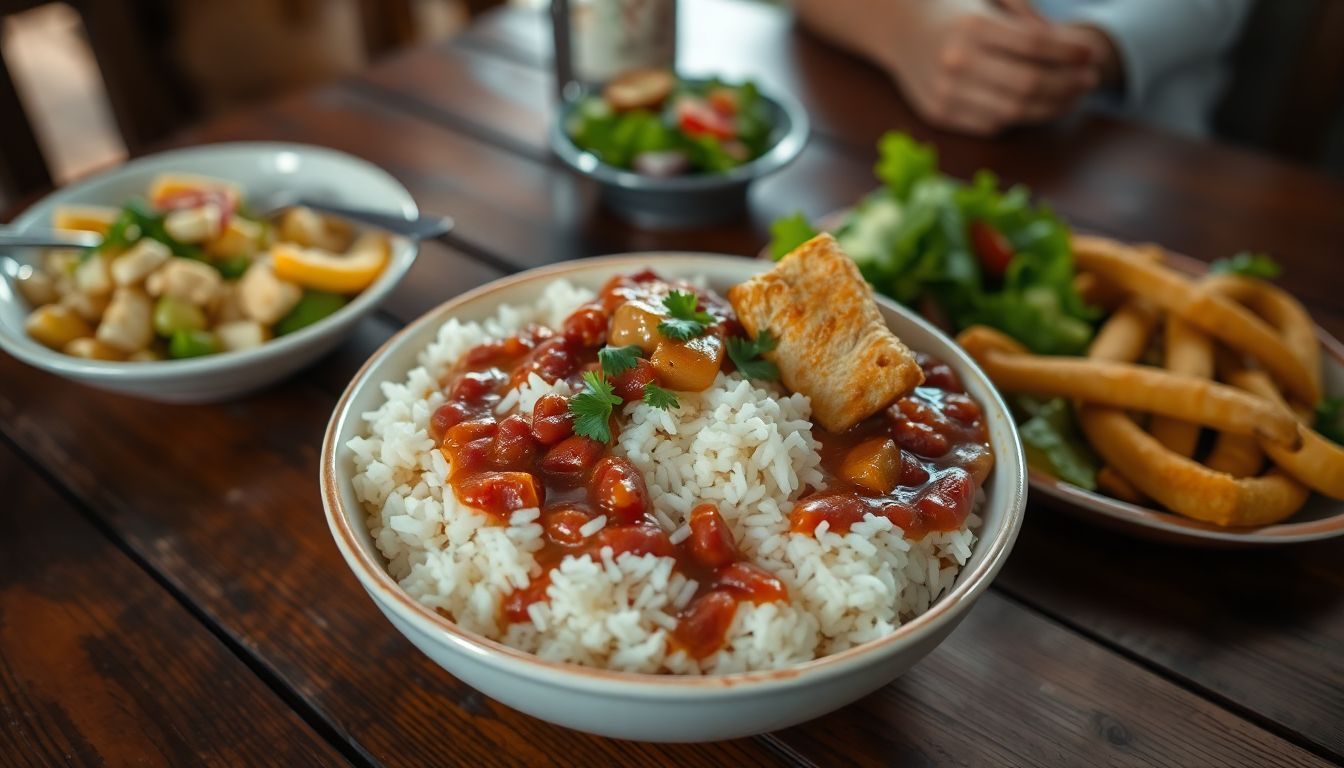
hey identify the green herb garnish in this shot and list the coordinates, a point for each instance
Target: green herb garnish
(658, 397)
(592, 408)
(1248, 264)
(686, 322)
(1330, 418)
(618, 360)
(746, 355)
(1053, 443)
(789, 233)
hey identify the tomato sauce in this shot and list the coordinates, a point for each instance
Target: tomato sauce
(918, 463)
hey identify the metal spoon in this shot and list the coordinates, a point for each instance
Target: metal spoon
(422, 228)
(49, 239)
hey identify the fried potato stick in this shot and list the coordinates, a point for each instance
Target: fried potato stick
(1112, 483)
(1131, 387)
(1211, 312)
(1278, 308)
(1185, 486)
(1318, 463)
(1187, 351)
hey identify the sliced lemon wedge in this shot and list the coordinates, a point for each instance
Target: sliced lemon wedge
(84, 218)
(322, 270)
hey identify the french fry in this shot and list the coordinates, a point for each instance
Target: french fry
(1112, 483)
(1185, 486)
(1318, 463)
(1186, 351)
(1237, 455)
(1126, 333)
(1132, 387)
(1285, 313)
(1212, 312)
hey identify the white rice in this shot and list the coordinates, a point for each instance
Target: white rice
(745, 447)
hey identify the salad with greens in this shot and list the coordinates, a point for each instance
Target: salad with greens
(652, 122)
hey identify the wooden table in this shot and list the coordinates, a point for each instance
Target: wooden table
(171, 594)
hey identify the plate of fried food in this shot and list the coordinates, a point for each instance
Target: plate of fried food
(1154, 393)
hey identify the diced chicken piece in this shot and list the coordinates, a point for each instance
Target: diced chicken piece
(60, 262)
(225, 307)
(188, 280)
(148, 355)
(93, 276)
(55, 326)
(133, 266)
(636, 322)
(37, 287)
(84, 218)
(242, 334)
(90, 348)
(265, 297)
(833, 344)
(128, 322)
(90, 308)
(306, 228)
(195, 225)
(689, 366)
(240, 237)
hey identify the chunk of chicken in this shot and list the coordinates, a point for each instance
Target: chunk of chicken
(265, 297)
(833, 346)
(239, 238)
(128, 322)
(187, 280)
(242, 334)
(307, 228)
(93, 276)
(90, 308)
(37, 287)
(226, 307)
(195, 225)
(90, 348)
(138, 261)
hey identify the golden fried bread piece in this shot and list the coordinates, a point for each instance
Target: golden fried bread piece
(834, 346)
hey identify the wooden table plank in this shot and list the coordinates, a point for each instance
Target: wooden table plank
(234, 524)
(1199, 197)
(99, 664)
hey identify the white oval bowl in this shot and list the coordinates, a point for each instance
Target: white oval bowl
(258, 167)
(659, 707)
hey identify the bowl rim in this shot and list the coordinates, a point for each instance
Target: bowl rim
(784, 151)
(372, 572)
(159, 370)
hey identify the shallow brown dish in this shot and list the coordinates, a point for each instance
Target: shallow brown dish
(1320, 518)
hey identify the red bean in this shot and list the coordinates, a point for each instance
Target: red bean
(618, 491)
(499, 493)
(514, 446)
(587, 326)
(629, 385)
(571, 459)
(450, 414)
(466, 446)
(941, 376)
(705, 623)
(945, 504)
(840, 510)
(551, 419)
(913, 471)
(562, 523)
(552, 360)
(643, 539)
(750, 582)
(474, 385)
(711, 543)
(961, 408)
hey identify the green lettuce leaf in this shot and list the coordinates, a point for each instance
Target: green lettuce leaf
(1053, 443)
(789, 233)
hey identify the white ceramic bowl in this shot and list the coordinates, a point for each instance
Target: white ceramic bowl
(660, 707)
(258, 167)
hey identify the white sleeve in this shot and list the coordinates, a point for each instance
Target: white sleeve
(1154, 37)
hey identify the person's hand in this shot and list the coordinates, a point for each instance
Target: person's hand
(972, 66)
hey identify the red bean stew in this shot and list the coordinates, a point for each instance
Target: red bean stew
(918, 463)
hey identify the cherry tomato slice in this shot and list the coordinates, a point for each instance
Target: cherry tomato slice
(992, 247)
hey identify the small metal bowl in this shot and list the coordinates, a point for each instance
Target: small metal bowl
(691, 200)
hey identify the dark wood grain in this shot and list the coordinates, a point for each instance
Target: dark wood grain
(100, 665)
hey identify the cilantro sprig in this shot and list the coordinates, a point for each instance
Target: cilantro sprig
(685, 321)
(658, 397)
(618, 360)
(592, 407)
(746, 355)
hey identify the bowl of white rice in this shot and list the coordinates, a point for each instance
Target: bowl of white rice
(864, 604)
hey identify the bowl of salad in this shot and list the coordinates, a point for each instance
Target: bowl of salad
(190, 295)
(671, 151)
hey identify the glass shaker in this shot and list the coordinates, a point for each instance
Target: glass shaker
(596, 40)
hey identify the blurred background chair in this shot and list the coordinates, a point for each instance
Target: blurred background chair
(95, 79)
